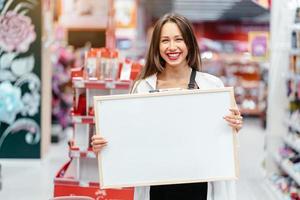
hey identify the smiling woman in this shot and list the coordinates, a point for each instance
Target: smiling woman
(173, 61)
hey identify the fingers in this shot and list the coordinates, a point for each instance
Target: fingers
(235, 111)
(237, 124)
(98, 143)
(235, 120)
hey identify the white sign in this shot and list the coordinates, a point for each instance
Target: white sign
(166, 138)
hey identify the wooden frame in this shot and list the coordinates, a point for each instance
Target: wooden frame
(123, 115)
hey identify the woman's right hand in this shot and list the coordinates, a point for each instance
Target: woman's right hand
(98, 143)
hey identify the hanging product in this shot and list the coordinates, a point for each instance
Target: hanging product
(114, 65)
(91, 64)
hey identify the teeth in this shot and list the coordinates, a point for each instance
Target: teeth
(173, 55)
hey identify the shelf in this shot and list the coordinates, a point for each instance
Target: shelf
(295, 52)
(78, 119)
(291, 142)
(101, 85)
(294, 126)
(286, 166)
(250, 84)
(81, 154)
(255, 111)
(275, 191)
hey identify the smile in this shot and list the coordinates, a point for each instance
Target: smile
(173, 56)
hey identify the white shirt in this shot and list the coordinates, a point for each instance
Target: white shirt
(217, 190)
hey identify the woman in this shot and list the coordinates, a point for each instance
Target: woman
(173, 61)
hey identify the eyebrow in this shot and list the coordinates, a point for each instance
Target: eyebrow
(168, 36)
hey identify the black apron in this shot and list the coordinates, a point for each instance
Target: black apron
(189, 191)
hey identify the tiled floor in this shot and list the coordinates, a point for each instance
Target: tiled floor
(33, 180)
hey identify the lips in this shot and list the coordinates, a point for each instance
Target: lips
(173, 56)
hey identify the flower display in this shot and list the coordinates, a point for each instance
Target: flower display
(31, 103)
(10, 102)
(16, 32)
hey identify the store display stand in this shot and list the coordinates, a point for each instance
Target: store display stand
(79, 176)
(287, 157)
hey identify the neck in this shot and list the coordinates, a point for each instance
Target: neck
(176, 72)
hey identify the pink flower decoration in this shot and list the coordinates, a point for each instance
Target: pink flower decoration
(16, 32)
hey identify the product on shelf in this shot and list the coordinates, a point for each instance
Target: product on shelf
(99, 76)
(91, 64)
(285, 186)
(102, 64)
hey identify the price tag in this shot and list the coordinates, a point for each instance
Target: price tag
(110, 85)
(78, 83)
(76, 119)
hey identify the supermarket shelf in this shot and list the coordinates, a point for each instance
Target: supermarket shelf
(250, 84)
(255, 111)
(292, 143)
(274, 191)
(295, 126)
(286, 166)
(78, 119)
(66, 186)
(100, 84)
(81, 154)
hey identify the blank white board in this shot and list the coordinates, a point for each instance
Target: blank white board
(166, 138)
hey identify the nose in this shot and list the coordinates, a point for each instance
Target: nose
(172, 45)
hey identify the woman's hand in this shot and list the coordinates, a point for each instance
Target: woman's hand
(235, 120)
(98, 143)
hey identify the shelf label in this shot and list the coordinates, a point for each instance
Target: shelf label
(110, 85)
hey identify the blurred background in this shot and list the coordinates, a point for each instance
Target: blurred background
(55, 55)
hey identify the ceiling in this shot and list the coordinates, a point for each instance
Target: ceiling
(209, 10)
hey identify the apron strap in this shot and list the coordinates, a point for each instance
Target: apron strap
(192, 83)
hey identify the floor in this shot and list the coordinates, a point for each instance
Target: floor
(33, 180)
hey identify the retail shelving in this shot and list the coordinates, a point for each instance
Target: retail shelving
(294, 144)
(250, 86)
(79, 82)
(288, 163)
(80, 176)
(287, 167)
(292, 124)
(247, 75)
(275, 191)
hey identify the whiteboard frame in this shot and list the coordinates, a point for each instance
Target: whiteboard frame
(99, 99)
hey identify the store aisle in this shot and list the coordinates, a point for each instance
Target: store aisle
(252, 184)
(33, 180)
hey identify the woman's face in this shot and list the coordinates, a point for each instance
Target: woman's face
(172, 47)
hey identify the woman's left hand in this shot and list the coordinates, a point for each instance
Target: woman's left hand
(235, 120)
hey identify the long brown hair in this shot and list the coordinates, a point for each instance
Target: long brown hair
(154, 62)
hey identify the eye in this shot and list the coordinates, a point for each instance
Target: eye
(164, 40)
(179, 39)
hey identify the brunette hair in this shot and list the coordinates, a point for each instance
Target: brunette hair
(154, 62)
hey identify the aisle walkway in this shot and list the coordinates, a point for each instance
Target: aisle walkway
(33, 180)
(251, 185)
